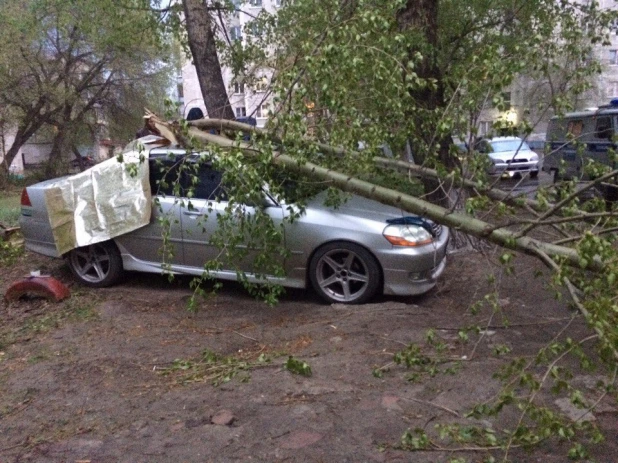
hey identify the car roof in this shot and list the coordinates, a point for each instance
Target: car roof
(602, 111)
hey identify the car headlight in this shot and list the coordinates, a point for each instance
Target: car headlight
(534, 157)
(407, 235)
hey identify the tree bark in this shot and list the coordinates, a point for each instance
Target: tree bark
(421, 17)
(199, 26)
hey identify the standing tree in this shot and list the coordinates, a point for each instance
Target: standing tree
(62, 60)
(202, 43)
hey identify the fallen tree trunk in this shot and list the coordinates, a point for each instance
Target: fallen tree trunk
(456, 221)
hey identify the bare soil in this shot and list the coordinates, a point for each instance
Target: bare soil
(119, 375)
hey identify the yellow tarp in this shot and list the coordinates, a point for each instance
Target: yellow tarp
(100, 203)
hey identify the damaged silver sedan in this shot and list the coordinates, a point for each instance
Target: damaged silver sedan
(347, 255)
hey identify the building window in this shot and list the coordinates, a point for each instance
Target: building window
(262, 110)
(235, 33)
(261, 84)
(255, 2)
(241, 111)
(611, 89)
(484, 127)
(253, 28)
(239, 87)
(613, 57)
(278, 3)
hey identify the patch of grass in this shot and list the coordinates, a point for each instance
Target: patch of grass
(10, 251)
(10, 208)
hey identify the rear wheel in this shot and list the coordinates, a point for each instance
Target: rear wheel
(98, 265)
(344, 272)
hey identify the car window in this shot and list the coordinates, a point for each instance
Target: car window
(163, 176)
(575, 128)
(508, 145)
(603, 128)
(204, 182)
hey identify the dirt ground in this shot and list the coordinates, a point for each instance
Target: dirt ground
(119, 374)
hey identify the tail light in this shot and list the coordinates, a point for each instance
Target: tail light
(25, 199)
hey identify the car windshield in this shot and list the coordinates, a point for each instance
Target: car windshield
(508, 145)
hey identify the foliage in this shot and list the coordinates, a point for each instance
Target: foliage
(71, 65)
(9, 209)
(298, 367)
(9, 252)
(215, 368)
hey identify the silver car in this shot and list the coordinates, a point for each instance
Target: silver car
(509, 156)
(347, 255)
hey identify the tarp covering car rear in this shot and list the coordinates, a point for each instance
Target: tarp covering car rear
(108, 200)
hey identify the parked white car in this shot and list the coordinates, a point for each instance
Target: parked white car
(509, 156)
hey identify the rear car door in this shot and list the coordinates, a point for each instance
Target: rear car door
(160, 240)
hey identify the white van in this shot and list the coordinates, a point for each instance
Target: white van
(576, 137)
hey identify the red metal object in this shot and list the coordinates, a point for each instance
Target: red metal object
(42, 286)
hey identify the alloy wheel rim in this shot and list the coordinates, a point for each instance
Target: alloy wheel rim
(342, 275)
(92, 263)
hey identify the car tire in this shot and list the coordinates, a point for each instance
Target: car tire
(534, 174)
(343, 272)
(98, 265)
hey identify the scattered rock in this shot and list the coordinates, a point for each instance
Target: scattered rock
(223, 418)
(390, 403)
(195, 422)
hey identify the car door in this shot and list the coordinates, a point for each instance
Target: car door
(159, 241)
(201, 218)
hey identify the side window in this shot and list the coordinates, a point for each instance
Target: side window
(574, 129)
(206, 183)
(163, 176)
(603, 128)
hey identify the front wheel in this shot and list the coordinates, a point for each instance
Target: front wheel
(98, 265)
(534, 174)
(344, 272)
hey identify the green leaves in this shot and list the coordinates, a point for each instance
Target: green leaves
(297, 367)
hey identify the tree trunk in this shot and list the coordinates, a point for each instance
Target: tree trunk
(21, 137)
(421, 17)
(52, 168)
(202, 44)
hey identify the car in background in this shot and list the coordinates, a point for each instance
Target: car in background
(348, 254)
(509, 156)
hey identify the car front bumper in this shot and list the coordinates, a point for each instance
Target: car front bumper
(514, 167)
(413, 271)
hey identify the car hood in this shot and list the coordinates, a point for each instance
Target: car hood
(358, 206)
(508, 155)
